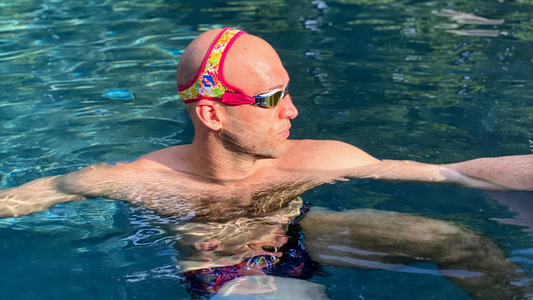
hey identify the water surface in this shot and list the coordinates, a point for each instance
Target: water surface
(90, 81)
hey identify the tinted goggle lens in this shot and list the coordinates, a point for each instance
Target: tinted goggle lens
(271, 99)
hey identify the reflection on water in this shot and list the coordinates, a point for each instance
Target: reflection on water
(363, 239)
(464, 18)
(520, 203)
(90, 81)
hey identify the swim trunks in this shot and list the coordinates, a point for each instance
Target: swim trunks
(294, 262)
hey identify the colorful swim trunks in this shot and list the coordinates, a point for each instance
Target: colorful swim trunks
(294, 262)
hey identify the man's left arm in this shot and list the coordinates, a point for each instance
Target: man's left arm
(332, 159)
(507, 173)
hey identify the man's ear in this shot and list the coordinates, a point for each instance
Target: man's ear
(210, 113)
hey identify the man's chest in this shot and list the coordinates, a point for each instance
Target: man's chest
(208, 200)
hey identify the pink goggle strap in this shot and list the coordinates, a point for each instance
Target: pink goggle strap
(209, 82)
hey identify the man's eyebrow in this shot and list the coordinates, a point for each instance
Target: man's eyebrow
(275, 87)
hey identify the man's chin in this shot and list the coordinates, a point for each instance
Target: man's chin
(277, 152)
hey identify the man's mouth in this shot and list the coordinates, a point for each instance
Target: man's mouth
(285, 133)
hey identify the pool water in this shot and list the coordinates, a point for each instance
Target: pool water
(83, 82)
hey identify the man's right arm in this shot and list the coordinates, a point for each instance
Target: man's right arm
(34, 196)
(43, 193)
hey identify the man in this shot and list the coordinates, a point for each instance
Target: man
(241, 152)
(240, 163)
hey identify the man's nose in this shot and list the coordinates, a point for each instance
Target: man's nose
(287, 108)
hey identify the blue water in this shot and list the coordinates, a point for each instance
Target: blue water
(83, 82)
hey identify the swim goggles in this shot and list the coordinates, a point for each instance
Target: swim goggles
(210, 83)
(268, 100)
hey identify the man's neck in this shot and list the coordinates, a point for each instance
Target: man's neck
(209, 158)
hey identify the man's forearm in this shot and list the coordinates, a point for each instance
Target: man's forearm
(506, 173)
(31, 197)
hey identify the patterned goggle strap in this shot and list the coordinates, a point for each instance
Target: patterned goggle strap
(209, 83)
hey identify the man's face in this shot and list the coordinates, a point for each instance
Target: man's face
(257, 69)
(257, 131)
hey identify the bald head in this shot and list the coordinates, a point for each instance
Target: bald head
(243, 132)
(191, 60)
(251, 63)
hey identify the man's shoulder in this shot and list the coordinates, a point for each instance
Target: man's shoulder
(317, 146)
(160, 159)
(314, 143)
(324, 154)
